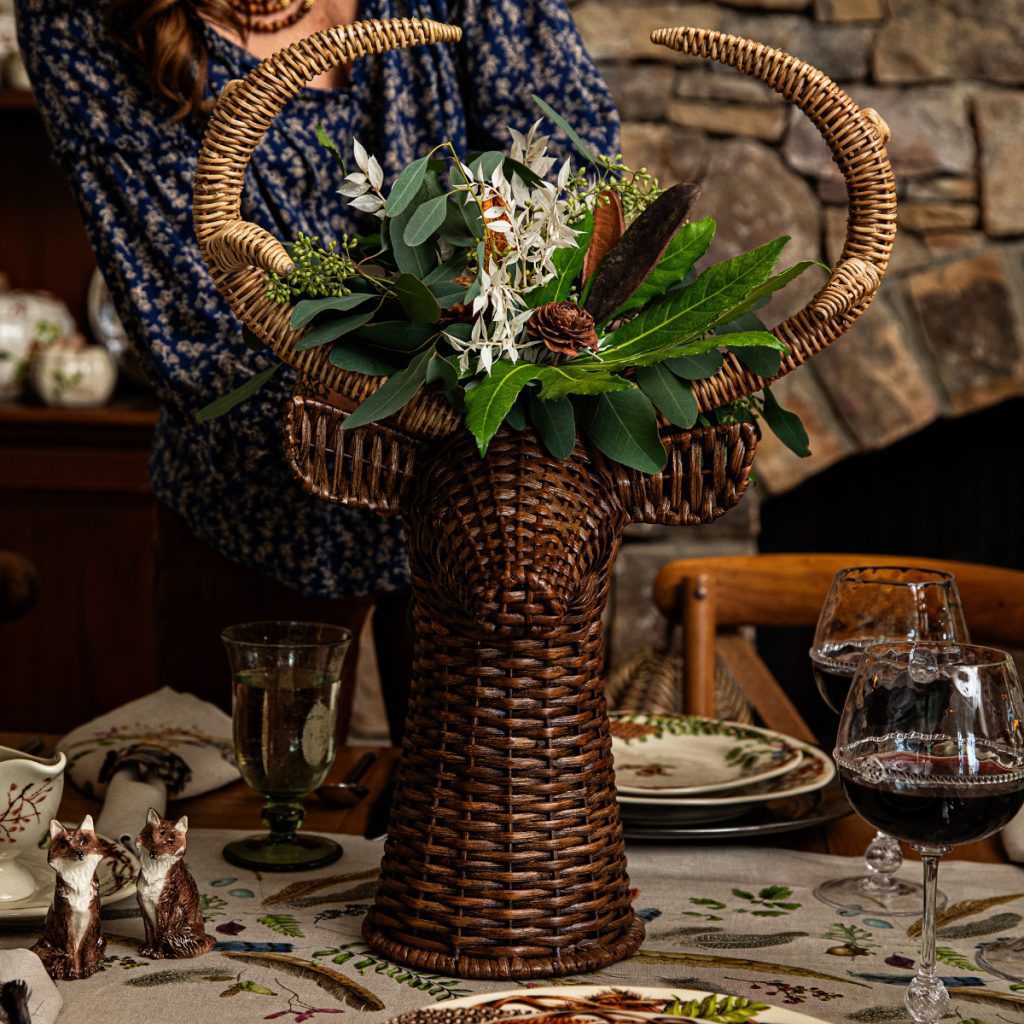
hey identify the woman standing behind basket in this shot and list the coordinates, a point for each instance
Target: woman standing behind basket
(123, 86)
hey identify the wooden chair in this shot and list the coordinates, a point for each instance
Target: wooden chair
(713, 597)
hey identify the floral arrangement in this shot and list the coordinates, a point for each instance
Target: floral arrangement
(530, 293)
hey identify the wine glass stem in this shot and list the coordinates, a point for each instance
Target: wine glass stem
(930, 863)
(283, 819)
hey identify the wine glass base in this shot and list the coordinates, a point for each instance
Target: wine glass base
(1004, 958)
(859, 894)
(927, 1000)
(269, 853)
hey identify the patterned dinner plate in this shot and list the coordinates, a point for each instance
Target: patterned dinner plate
(117, 874)
(602, 1004)
(814, 771)
(685, 755)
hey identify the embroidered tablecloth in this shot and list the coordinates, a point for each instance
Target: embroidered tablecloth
(738, 920)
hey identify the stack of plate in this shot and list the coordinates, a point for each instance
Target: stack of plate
(684, 776)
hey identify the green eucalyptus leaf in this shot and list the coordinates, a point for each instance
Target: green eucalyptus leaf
(695, 367)
(446, 272)
(741, 339)
(425, 221)
(786, 426)
(461, 331)
(309, 309)
(225, 403)
(444, 370)
(624, 427)
(395, 393)
(516, 418)
(395, 335)
(472, 217)
(555, 424)
(406, 187)
(326, 331)
(671, 396)
(474, 288)
(417, 300)
(374, 362)
(486, 163)
(581, 147)
(418, 260)
(691, 241)
(455, 229)
(684, 316)
(488, 403)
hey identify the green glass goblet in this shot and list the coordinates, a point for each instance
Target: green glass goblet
(286, 681)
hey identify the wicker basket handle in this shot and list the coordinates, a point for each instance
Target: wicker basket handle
(857, 140)
(243, 113)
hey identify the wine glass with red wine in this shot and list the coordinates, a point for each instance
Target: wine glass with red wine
(867, 605)
(931, 750)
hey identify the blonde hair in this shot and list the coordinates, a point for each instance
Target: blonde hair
(166, 37)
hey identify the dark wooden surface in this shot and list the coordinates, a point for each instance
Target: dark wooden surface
(74, 499)
(43, 244)
(237, 806)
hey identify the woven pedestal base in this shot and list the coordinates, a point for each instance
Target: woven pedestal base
(505, 856)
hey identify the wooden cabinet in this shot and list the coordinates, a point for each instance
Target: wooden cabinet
(74, 498)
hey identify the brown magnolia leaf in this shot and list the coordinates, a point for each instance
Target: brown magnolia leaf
(609, 226)
(310, 885)
(333, 982)
(706, 960)
(640, 249)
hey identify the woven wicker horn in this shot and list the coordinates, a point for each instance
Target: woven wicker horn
(857, 140)
(238, 253)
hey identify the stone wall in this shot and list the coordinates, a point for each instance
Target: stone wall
(945, 336)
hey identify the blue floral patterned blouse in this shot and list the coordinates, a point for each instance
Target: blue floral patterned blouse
(132, 173)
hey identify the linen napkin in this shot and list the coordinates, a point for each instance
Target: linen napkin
(1013, 838)
(44, 1001)
(164, 744)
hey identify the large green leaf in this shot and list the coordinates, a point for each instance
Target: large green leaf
(568, 379)
(310, 309)
(688, 245)
(330, 145)
(692, 311)
(582, 148)
(396, 392)
(406, 187)
(489, 402)
(786, 426)
(326, 331)
(742, 339)
(445, 370)
(555, 424)
(455, 229)
(695, 367)
(417, 300)
(374, 362)
(671, 396)
(624, 427)
(425, 221)
(760, 295)
(219, 406)
(765, 362)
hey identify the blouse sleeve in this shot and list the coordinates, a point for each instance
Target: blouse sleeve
(131, 173)
(514, 48)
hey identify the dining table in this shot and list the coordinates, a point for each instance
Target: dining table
(737, 918)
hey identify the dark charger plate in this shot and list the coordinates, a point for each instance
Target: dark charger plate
(771, 818)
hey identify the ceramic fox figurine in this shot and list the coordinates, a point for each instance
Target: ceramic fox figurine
(167, 892)
(72, 943)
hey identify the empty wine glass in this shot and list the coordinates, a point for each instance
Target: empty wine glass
(285, 688)
(866, 605)
(931, 749)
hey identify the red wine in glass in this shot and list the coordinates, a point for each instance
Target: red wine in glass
(926, 798)
(833, 666)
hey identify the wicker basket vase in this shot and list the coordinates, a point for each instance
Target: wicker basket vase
(505, 856)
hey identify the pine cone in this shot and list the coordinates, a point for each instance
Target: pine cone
(564, 327)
